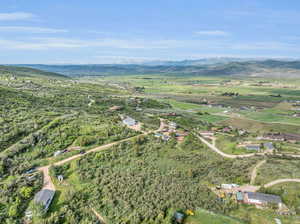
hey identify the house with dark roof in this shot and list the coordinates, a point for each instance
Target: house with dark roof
(44, 198)
(261, 199)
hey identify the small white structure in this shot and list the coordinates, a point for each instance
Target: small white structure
(57, 153)
(229, 186)
(60, 178)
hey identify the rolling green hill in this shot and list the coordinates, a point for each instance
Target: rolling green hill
(269, 68)
(28, 72)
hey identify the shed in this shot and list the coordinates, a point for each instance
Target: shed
(239, 196)
(60, 178)
(44, 197)
(57, 153)
(179, 217)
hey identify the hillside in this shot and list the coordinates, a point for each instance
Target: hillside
(28, 72)
(270, 68)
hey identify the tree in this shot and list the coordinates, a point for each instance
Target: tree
(26, 192)
(13, 211)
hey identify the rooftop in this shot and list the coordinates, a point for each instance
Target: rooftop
(253, 147)
(267, 198)
(43, 197)
(269, 145)
(129, 121)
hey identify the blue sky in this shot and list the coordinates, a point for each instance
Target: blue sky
(118, 31)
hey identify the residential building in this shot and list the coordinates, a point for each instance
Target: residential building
(269, 146)
(253, 147)
(129, 121)
(44, 197)
(229, 186)
(261, 199)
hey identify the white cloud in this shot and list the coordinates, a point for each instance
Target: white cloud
(212, 33)
(265, 46)
(16, 16)
(159, 46)
(56, 43)
(29, 29)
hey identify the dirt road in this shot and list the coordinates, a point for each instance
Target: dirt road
(100, 218)
(214, 148)
(47, 184)
(254, 171)
(280, 181)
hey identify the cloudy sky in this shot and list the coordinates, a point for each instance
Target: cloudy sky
(119, 31)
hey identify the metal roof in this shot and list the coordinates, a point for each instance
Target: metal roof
(129, 121)
(269, 145)
(253, 147)
(43, 196)
(265, 198)
(239, 196)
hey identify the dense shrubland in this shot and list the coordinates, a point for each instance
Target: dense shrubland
(39, 117)
(146, 180)
(15, 195)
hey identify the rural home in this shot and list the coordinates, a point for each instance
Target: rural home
(129, 121)
(261, 199)
(207, 134)
(255, 147)
(229, 186)
(282, 137)
(44, 197)
(269, 146)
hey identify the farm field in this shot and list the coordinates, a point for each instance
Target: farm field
(148, 179)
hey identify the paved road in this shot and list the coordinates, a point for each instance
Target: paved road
(254, 171)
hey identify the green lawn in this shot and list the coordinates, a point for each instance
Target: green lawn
(206, 217)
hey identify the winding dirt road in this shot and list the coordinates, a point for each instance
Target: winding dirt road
(47, 182)
(280, 181)
(215, 149)
(254, 172)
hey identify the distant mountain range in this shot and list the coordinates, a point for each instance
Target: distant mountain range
(203, 67)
